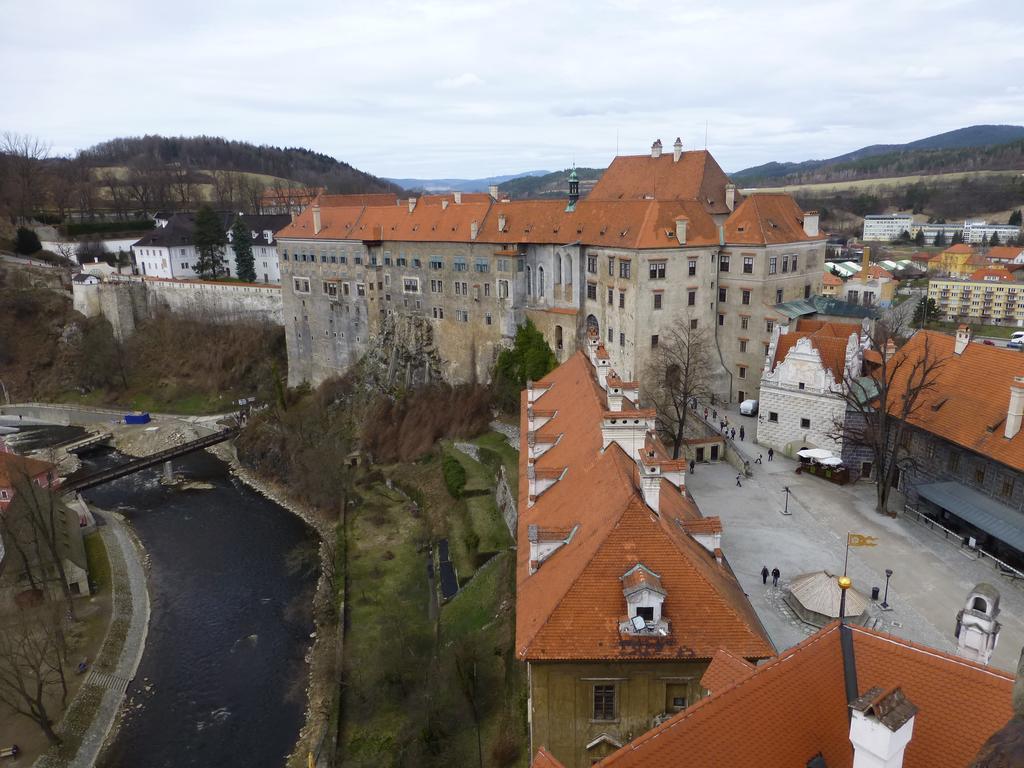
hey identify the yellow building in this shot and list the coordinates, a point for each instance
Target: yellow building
(990, 296)
(959, 260)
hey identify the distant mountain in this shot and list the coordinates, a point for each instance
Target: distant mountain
(978, 147)
(461, 185)
(213, 153)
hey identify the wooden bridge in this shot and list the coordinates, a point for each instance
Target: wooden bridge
(90, 441)
(130, 467)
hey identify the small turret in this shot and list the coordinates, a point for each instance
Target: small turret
(574, 190)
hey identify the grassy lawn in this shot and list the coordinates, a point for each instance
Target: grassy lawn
(98, 563)
(995, 331)
(496, 441)
(190, 404)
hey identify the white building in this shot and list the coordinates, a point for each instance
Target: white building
(981, 232)
(800, 398)
(168, 251)
(886, 226)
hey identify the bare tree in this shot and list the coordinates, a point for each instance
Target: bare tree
(117, 191)
(679, 370)
(183, 186)
(251, 194)
(33, 657)
(25, 179)
(880, 405)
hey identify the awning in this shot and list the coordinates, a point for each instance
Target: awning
(814, 453)
(979, 510)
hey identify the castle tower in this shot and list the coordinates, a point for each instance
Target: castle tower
(574, 190)
(977, 630)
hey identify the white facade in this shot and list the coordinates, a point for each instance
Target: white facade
(886, 226)
(981, 232)
(179, 261)
(800, 400)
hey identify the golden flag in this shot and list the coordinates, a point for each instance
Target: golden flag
(860, 540)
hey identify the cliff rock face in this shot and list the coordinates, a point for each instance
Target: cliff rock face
(402, 354)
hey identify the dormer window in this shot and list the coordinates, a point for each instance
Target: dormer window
(644, 598)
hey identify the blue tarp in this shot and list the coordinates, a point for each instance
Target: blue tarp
(981, 511)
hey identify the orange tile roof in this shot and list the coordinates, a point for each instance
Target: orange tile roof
(972, 392)
(876, 271)
(830, 279)
(1004, 252)
(725, 670)
(999, 273)
(545, 759)
(571, 607)
(697, 176)
(830, 339)
(793, 707)
(767, 218)
(14, 468)
(959, 248)
(358, 201)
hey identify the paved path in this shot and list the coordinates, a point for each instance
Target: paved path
(94, 711)
(931, 577)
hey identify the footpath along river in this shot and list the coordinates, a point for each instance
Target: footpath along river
(231, 576)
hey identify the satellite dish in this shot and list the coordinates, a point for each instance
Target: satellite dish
(639, 624)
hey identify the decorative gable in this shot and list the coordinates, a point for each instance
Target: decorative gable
(644, 598)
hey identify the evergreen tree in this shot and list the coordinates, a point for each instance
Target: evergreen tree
(209, 240)
(925, 311)
(994, 240)
(241, 241)
(958, 237)
(1015, 218)
(919, 237)
(530, 358)
(27, 242)
(940, 238)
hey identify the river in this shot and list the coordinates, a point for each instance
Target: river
(231, 577)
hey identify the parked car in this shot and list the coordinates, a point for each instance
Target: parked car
(748, 407)
(988, 342)
(1017, 336)
(1015, 345)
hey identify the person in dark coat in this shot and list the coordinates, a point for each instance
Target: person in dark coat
(742, 433)
(692, 465)
(738, 483)
(771, 454)
(764, 573)
(733, 435)
(775, 577)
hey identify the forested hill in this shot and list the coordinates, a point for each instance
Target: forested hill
(217, 154)
(976, 148)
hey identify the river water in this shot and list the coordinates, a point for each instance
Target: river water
(231, 578)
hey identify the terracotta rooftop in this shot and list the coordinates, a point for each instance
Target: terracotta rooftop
(725, 670)
(696, 176)
(14, 468)
(991, 274)
(767, 218)
(570, 608)
(830, 279)
(794, 707)
(1004, 252)
(959, 248)
(970, 399)
(828, 338)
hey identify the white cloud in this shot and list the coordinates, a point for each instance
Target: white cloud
(465, 80)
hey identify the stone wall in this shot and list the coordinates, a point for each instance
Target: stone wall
(786, 434)
(505, 498)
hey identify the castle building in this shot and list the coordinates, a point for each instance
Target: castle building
(661, 239)
(623, 595)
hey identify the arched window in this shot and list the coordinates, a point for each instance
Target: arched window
(529, 281)
(979, 604)
(568, 269)
(558, 270)
(540, 281)
(558, 337)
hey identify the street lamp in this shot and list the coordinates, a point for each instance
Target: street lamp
(787, 492)
(885, 599)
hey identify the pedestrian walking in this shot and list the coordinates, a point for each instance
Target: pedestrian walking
(775, 577)
(758, 459)
(705, 414)
(771, 454)
(733, 435)
(742, 433)
(692, 465)
(764, 574)
(738, 483)
(714, 413)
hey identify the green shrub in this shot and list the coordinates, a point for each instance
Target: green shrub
(454, 475)
(530, 358)
(490, 459)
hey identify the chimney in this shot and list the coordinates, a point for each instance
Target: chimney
(501, 222)
(316, 219)
(811, 223)
(650, 485)
(458, 197)
(412, 204)
(629, 429)
(865, 264)
(614, 398)
(677, 150)
(730, 196)
(444, 204)
(1015, 413)
(681, 223)
(656, 149)
(963, 338)
(474, 229)
(881, 726)
(492, 190)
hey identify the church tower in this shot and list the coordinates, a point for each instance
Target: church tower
(574, 190)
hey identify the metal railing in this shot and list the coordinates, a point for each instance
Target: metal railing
(952, 536)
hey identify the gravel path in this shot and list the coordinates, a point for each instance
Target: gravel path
(95, 708)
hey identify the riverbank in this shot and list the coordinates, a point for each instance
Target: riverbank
(94, 711)
(318, 733)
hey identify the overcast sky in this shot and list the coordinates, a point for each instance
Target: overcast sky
(471, 89)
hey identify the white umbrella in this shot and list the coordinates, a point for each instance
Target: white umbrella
(814, 453)
(831, 462)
